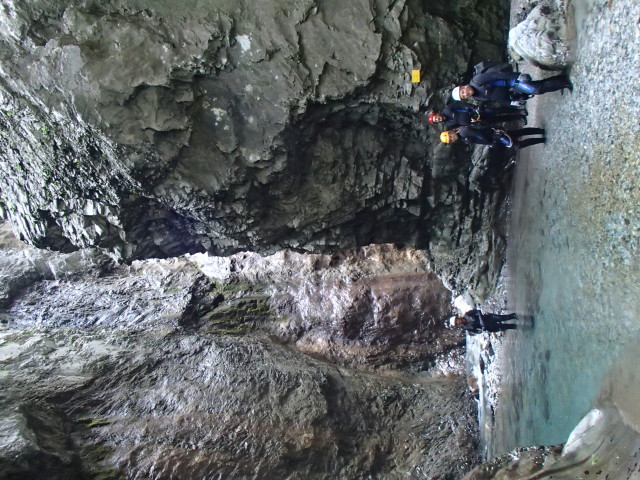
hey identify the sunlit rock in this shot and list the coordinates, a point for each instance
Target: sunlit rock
(377, 306)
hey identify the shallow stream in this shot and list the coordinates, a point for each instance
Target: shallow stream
(573, 266)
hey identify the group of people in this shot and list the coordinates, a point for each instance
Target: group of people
(501, 94)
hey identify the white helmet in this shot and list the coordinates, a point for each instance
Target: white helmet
(455, 93)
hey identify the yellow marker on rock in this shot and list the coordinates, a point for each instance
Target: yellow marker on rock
(415, 76)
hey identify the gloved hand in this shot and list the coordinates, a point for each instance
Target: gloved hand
(518, 103)
(524, 77)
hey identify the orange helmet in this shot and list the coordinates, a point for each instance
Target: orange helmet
(445, 137)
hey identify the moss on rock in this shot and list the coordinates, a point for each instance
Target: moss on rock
(237, 316)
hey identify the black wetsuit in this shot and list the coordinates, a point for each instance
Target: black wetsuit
(477, 322)
(458, 114)
(482, 135)
(504, 87)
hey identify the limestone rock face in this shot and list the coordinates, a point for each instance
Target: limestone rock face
(156, 128)
(377, 307)
(374, 307)
(231, 367)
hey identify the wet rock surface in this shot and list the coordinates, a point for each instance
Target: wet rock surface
(146, 132)
(234, 367)
(376, 306)
(174, 405)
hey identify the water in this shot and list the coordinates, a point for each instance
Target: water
(575, 239)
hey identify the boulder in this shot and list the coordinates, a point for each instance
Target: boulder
(544, 37)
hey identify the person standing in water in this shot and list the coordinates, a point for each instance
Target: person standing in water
(474, 321)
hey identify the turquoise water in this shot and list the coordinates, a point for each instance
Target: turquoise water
(575, 239)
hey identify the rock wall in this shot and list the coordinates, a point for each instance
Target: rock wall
(176, 405)
(152, 131)
(289, 366)
(546, 37)
(377, 307)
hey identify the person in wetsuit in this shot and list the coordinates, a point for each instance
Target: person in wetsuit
(505, 88)
(460, 114)
(494, 137)
(474, 322)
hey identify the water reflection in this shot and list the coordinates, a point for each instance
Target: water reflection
(606, 443)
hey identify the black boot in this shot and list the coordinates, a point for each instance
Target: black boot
(530, 141)
(552, 84)
(526, 131)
